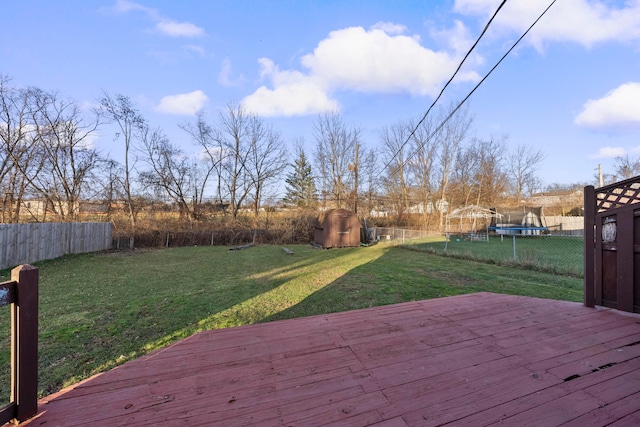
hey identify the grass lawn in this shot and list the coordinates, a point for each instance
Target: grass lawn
(100, 310)
(556, 254)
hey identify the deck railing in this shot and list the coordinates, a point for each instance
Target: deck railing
(21, 292)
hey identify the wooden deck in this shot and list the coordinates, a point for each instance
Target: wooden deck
(473, 360)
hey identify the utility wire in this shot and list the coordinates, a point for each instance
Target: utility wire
(446, 119)
(466, 56)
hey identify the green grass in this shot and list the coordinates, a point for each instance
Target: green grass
(562, 255)
(100, 310)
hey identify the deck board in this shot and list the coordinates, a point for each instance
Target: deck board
(473, 360)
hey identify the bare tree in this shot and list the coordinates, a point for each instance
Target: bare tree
(523, 163)
(423, 156)
(45, 153)
(108, 184)
(396, 181)
(464, 185)
(62, 136)
(626, 167)
(369, 171)
(534, 185)
(266, 161)
(232, 134)
(451, 133)
(491, 176)
(16, 139)
(212, 153)
(168, 171)
(335, 149)
(354, 168)
(119, 109)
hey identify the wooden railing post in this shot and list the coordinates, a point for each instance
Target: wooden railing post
(589, 246)
(24, 342)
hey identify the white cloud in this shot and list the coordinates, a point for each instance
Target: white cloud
(374, 61)
(293, 94)
(580, 21)
(88, 105)
(179, 29)
(225, 77)
(199, 50)
(183, 104)
(163, 25)
(89, 142)
(389, 27)
(609, 153)
(125, 6)
(458, 37)
(617, 110)
(379, 60)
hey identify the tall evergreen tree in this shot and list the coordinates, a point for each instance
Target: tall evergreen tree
(301, 185)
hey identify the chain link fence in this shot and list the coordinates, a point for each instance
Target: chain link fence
(401, 235)
(554, 253)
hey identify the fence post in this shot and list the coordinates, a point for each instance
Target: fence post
(24, 342)
(515, 257)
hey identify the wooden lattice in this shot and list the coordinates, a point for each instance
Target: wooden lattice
(618, 195)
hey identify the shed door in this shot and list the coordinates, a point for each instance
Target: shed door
(342, 229)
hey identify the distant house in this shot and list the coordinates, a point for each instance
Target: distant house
(557, 198)
(337, 228)
(94, 207)
(440, 206)
(35, 207)
(42, 207)
(381, 212)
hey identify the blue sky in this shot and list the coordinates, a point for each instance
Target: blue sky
(571, 88)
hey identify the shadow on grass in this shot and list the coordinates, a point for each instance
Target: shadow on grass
(400, 275)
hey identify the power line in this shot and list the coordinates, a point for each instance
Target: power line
(486, 27)
(446, 119)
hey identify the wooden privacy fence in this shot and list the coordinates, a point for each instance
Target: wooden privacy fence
(22, 294)
(27, 243)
